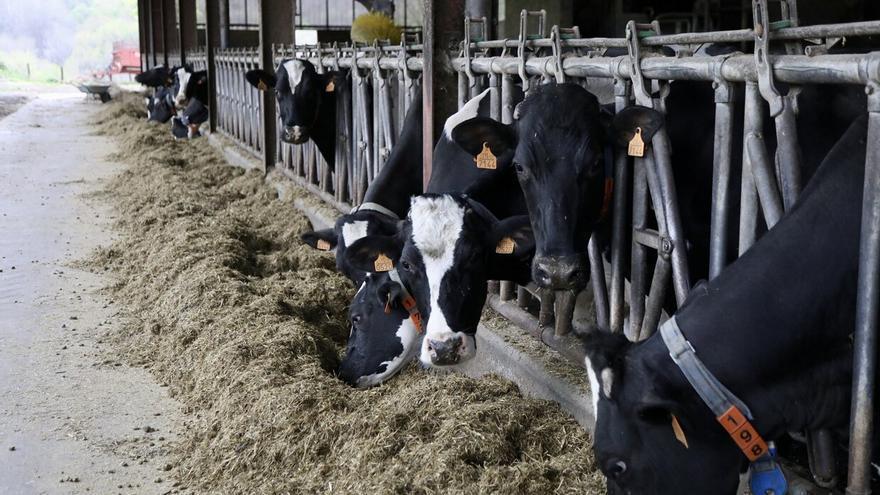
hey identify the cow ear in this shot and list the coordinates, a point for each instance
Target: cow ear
(201, 76)
(473, 133)
(511, 248)
(322, 240)
(390, 293)
(374, 253)
(605, 352)
(628, 121)
(260, 79)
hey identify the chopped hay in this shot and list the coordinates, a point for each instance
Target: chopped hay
(246, 325)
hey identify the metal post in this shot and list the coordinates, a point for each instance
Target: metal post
(865, 343)
(597, 280)
(143, 33)
(223, 24)
(276, 26)
(188, 39)
(212, 42)
(622, 177)
(157, 38)
(169, 29)
(748, 212)
(442, 32)
(721, 175)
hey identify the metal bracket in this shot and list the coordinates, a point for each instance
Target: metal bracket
(719, 84)
(556, 42)
(763, 67)
(523, 37)
(468, 70)
(641, 94)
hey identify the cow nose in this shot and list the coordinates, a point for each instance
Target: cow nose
(295, 134)
(444, 352)
(615, 468)
(560, 272)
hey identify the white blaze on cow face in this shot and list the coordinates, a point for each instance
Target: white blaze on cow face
(352, 231)
(183, 79)
(594, 388)
(409, 337)
(436, 227)
(468, 111)
(295, 69)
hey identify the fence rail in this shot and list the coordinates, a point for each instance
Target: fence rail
(239, 105)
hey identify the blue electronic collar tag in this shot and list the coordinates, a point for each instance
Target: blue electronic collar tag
(766, 476)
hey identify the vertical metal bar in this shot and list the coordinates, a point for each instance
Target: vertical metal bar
(865, 343)
(622, 177)
(765, 179)
(597, 279)
(507, 289)
(748, 213)
(721, 176)
(639, 261)
(788, 153)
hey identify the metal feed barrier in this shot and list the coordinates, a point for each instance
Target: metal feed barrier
(239, 105)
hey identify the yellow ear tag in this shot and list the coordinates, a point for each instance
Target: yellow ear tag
(383, 263)
(486, 159)
(262, 86)
(679, 433)
(322, 245)
(331, 87)
(636, 145)
(505, 246)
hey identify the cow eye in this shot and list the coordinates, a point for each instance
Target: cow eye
(355, 319)
(519, 168)
(405, 265)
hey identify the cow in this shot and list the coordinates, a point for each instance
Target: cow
(306, 102)
(189, 84)
(774, 328)
(186, 125)
(160, 106)
(157, 77)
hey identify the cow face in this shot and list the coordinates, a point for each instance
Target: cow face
(156, 77)
(186, 85)
(299, 90)
(347, 230)
(635, 443)
(558, 141)
(383, 337)
(445, 253)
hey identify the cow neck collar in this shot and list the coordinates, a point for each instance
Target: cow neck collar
(370, 206)
(729, 410)
(608, 183)
(408, 302)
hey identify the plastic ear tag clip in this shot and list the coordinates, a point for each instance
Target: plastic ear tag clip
(679, 433)
(331, 87)
(383, 263)
(322, 245)
(486, 159)
(766, 476)
(262, 86)
(505, 246)
(388, 305)
(636, 144)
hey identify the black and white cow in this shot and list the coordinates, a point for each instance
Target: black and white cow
(156, 77)
(306, 102)
(189, 84)
(774, 327)
(186, 125)
(160, 106)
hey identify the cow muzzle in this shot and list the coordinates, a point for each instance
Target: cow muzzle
(448, 350)
(295, 134)
(561, 272)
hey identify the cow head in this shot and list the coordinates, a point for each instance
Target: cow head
(445, 252)
(383, 337)
(635, 442)
(156, 77)
(558, 143)
(186, 83)
(160, 106)
(299, 90)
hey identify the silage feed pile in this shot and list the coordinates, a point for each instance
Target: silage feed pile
(246, 325)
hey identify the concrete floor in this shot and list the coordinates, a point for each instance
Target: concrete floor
(72, 418)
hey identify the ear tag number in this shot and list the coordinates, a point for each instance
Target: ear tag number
(262, 86)
(331, 87)
(383, 263)
(322, 245)
(505, 246)
(743, 433)
(679, 433)
(636, 144)
(486, 159)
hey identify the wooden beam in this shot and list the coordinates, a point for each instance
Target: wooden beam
(188, 36)
(157, 47)
(276, 27)
(169, 22)
(443, 32)
(143, 33)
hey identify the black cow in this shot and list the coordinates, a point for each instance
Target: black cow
(306, 102)
(189, 84)
(187, 124)
(773, 327)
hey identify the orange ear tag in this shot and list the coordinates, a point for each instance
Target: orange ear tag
(505, 246)
(636, 144)
(383, 263)
(486, 159)
(262, 86)
(322, 245)
(331, 87)
(679, 433)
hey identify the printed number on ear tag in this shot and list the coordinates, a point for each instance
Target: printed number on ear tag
(486, 159)
(331, 87)
(322, 245)
(505, 246)
(383, 263)
(679, 433)
(636, 144)
(262, 86)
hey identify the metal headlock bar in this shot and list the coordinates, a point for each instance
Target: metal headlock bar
(370, 118)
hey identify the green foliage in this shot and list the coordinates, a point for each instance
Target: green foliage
(374, 26)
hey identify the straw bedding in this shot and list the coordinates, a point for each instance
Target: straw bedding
(246, 325)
